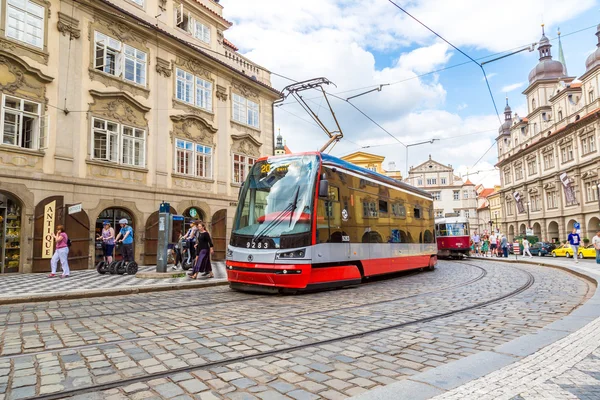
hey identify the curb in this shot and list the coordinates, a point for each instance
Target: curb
(122, 291)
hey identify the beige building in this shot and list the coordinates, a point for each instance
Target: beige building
(549, 160)
(495, 206)
(485, 221)
(450, 193)
(374, 163)
(118, 105)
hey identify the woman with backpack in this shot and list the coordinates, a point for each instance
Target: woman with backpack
(62, 253)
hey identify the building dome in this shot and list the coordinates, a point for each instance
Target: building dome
(547, 68)
(505, 127)
(593, 59)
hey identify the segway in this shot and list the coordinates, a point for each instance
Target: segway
(102, 266)
(113, 266)
(186, 262)
(126, 267)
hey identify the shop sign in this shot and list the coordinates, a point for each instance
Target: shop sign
(75, 209)
(193, 213)
(48, 240)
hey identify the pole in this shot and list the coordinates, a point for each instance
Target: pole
(407, 163)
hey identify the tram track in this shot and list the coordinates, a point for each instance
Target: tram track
(252, 298)
(482, 275)
(150, 376)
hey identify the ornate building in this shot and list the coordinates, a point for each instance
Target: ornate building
(118, 105)
(451, 194)
(374, 163)
(549, 159)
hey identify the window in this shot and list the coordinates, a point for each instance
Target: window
(560, 115)
(507, 176)
(443, 181)
(467, 213)
(183, 20)
(439, 213)
(533, 104)
(25, 22)
(591, 95)
(398, 210)
(588, 144)
(510, 210)
(119, 60)
(193, 90)
(436, 195)
(372, 168)
(532, 166)
(419, 182)
(518, 172)
(417, 213)
(245, 111)
(465, 194)
(551, 200)
(369, 209)
(535, 203)
(201, 31)
(456, 194)
(383, 207)
(591, 189)
(118, 143)
(432, 181)
(193, 159)
(535, 131)
(138, 2)
(21, 123)
(241, 167)
(549, 160)
(567, 153)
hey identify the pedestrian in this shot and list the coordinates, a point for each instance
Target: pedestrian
(574, 241)
(493, 245)
(126, 233)
(205, 249)
(476, 243)
(504, 245)
(190, 238)
(62, 253)
(486, 246)
(526, 248)
(596, 243)
(108, 241)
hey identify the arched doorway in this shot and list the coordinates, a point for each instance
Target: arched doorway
(570, 226)
(11, 238)
(511, 232)
(522, 229)
(112, 215)
(218, 231)
(151, 237)
(537, 230)
(593, 226)
(553, 234)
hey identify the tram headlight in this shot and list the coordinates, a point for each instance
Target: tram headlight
(292, 254)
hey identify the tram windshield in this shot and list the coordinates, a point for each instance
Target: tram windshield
(277, 198)
(456, 229)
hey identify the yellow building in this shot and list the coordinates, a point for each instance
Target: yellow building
(374, 163)
(118, 105)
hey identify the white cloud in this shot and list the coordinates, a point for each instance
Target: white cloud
(424, 59)
(462, 106)
(489, 76)
(510, 88)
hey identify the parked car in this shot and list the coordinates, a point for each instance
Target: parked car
(563, 251)
(541, 249)
(587, 252)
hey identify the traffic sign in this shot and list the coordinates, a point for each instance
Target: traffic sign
(516, 248)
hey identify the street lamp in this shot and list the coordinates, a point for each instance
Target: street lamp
(416, 144)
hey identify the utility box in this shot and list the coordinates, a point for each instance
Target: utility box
(165, 224)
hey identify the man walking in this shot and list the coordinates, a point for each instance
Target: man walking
(476, 243)
(596, 243)
(526, 248)
(504, 246)
(574, 241)
(493, 245)
(126, 233)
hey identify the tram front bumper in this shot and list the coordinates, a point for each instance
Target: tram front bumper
(292, 276)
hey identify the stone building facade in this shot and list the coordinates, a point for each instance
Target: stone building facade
(451, 194)
(549, 160)
(119, 105)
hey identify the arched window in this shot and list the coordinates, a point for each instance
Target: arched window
(560, 115)
(535, 131)
(533, 104)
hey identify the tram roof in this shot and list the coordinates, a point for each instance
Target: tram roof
(338, 162)
(452, 220)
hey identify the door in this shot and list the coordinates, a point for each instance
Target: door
(77, 227)
(218, 232)
(151, 237)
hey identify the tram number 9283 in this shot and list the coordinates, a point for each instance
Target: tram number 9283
(257, 245)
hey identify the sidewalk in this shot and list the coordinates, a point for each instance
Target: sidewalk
(89, 283)
(560, 361)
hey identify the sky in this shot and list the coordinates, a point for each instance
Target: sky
(359, 45)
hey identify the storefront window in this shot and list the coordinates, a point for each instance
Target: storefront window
(10, 234)
(112, 215)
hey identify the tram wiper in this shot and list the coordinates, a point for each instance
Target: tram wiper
(277, 220)
(294, 204)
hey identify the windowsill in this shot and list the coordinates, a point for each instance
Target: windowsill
(568, 161)
(237, 185)
(27, 46)
(234, 122)
(195, 107)
(588, 153)
(119, 80)
(21, 150)
(192, 177)
(116, 165)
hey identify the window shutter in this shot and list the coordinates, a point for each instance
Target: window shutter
(119, 63)
(190, 24)
(100, 54)
(179, 13)
(44, 131)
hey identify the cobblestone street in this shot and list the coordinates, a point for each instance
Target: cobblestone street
(214, 343)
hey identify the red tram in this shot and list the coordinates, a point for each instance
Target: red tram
(315, 221)
(452, 237)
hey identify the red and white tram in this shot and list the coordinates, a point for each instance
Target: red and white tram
(452, 237)
(314, 221)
